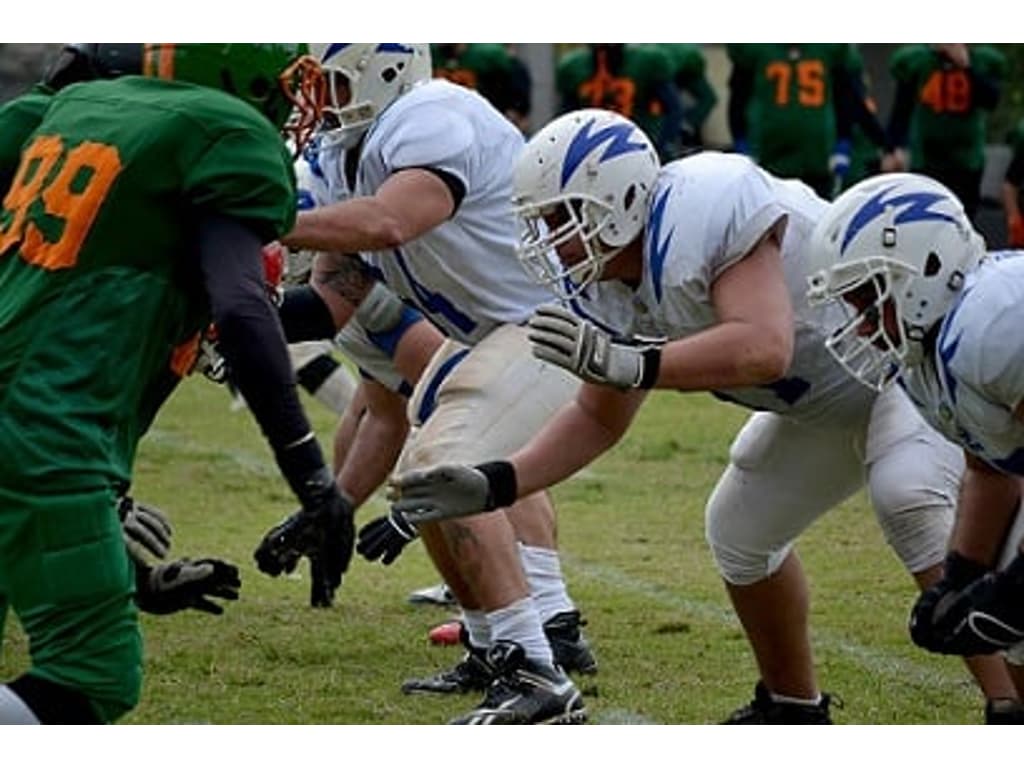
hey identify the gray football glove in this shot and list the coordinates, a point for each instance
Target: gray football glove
(185, 583)
(146, 529)
(564, 339)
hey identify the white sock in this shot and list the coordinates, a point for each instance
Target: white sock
(543, 569)
(520, 623)
(14, 711)
(778, 698)
(478, 628)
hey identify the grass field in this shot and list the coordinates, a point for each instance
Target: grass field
(631, 531)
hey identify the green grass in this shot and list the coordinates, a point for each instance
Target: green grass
(631, 531)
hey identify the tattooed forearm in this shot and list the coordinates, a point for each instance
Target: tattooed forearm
(345, 274)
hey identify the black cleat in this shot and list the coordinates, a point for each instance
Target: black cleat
(568, 645)
(525, 693)
(1004, 712)
(473, 673)
(764, 711)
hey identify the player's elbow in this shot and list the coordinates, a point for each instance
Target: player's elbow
(768, 359)
(387, 232)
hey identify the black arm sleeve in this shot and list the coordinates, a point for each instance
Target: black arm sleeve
(985, 90)
(845, 103)
(250, 338)
(899, 120)
(741, 88)
(862, 115)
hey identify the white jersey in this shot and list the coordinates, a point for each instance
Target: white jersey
(970, 386)
(707, 212)
(463, 274)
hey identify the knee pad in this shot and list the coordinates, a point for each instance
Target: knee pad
(741, 558)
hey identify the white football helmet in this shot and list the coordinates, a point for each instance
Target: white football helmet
(592, 173)
(900, 238)
(363, 79)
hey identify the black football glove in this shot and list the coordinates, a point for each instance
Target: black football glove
(326, 568)
(932, 617)
(185, 583)
(384, 538)
(323, 530)
(992, 611)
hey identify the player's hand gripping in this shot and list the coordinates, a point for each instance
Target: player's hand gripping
(562, 338)
(992, 611)
(322, 530)
(932, 617)
(425, 495)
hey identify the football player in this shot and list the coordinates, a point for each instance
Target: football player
(121, 328)
(711, 253)
(430, 169)
(929, 308)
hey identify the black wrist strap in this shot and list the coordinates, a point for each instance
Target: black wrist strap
(961, 571)
(652, 367)
(501, 480)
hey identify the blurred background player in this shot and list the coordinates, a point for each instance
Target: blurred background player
(944, 92)
(494, 70)
(789, 109)
(634, 80)
(696, 96)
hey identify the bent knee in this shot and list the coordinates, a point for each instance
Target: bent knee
(916, 523)
(741, 565)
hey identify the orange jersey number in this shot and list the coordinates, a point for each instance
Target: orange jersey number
(947, 91)
(70, 185)
(810, 81)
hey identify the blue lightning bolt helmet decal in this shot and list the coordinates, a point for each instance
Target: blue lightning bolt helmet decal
(334, 48)
(915, 207)
(583, 143)
(657, 247)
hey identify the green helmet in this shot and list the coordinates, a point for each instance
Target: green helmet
(281, 80)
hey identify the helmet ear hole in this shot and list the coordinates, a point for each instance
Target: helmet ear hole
(629, 197)
(932, 265)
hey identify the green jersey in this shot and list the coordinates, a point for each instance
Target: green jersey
(18, 118)
(631, 87)
(947, 125)
(790, 113)
(99, 284)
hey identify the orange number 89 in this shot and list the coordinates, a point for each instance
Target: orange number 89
(74, 195)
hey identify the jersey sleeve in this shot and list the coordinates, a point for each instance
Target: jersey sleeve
(246, 174)
(438, 138)
(746, 211)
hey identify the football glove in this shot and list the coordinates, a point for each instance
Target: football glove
(439, 493)
(185, 583)
(385, 537)
(564, 339)
(992, 611)
(145, 529)
(323, 530)
(930, 618)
